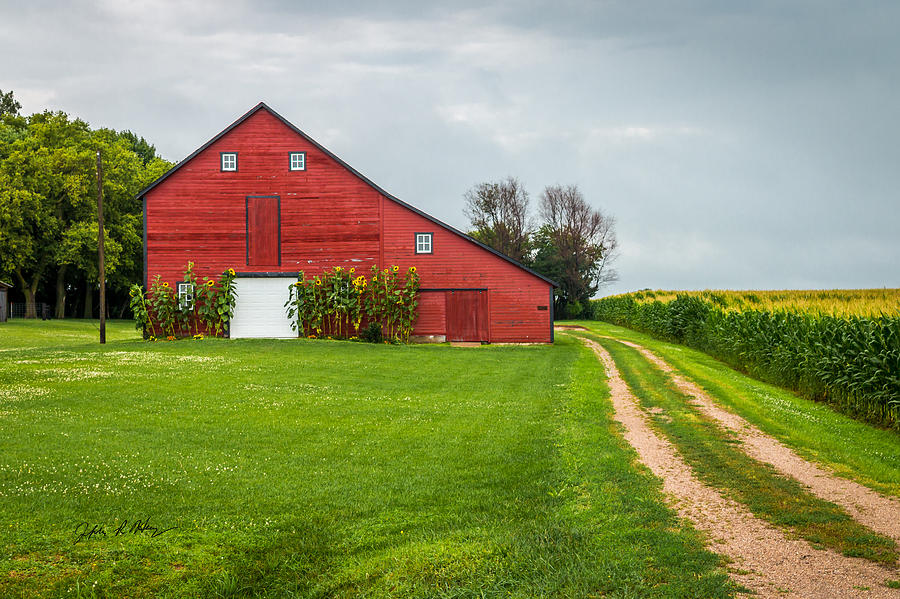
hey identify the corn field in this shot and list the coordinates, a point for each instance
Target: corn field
(832, 302)
(845, 350)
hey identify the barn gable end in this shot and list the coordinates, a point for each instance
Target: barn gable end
(324, 216)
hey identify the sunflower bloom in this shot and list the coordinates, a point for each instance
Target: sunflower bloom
(231, 271)
(396, 268)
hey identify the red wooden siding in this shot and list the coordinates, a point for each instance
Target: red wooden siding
(329, 217)
(431, 314)
(263, 243)
(456, 263)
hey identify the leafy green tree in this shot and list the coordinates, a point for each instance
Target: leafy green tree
(48, 190)
(125, 173)
(44, 166)
(78, 249)
(575, 246)
(8, 104)
(140, 146)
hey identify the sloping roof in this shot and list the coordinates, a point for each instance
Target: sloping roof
(327, 152)
(6, 285)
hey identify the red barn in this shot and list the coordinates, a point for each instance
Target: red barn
(264, 198)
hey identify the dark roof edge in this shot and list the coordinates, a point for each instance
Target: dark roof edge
(365, 179)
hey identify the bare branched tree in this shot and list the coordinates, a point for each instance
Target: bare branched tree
(498, 213)
(576, 244)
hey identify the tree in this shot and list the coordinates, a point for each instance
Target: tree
(498, 213)
(139, 146)
(575, 246)
(21, 250)
(47, 167)
(8, 104)
(48, 206)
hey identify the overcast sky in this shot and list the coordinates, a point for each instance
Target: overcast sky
(738, 145)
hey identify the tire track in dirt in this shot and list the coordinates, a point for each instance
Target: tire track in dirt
(765, 559)
(880, 513)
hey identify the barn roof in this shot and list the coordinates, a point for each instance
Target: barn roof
(326, 151)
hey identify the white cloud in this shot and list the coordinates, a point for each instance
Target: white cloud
(641, 133)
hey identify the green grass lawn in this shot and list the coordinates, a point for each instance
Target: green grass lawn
(851, 448)
(303, 468)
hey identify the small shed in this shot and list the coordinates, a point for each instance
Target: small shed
(4, 302)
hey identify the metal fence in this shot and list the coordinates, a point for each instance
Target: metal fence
(20, 309)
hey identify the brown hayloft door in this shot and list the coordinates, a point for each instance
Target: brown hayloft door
(263, 231)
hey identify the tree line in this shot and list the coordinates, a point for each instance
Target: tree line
(572, 242)
(48, 208)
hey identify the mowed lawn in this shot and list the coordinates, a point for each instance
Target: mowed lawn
(323, 469)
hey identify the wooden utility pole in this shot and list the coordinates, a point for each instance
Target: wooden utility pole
(102, 265)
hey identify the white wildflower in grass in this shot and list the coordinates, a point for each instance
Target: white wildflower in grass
(22, 392)
(72, 374)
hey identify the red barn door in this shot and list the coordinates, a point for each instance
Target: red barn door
(467, 315)
(263, 231)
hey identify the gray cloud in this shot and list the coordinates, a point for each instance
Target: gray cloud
(737, 145)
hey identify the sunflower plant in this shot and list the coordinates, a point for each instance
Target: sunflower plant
(163, 304)
(160, 310)
(409, 302)
(141, 312)
(225, 299)
(360, 285)
(337, 296)
(305, 306)
(205, 297)
(336, 302)
(185, 311)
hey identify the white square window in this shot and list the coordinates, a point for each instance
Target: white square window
(423, 243)
(185, 296)
(229, 161)
(298, 161)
